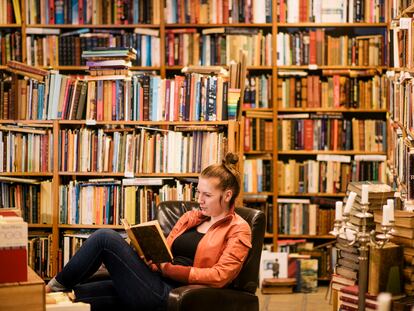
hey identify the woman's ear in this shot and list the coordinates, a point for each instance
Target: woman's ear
(228, 194)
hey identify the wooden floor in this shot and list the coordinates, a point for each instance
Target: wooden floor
(296, 301)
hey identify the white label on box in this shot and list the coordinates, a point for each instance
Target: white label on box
(13, 234)
(313, 67)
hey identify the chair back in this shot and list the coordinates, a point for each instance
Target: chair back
(169, 212)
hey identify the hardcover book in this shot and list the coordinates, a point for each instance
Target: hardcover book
(149, 241)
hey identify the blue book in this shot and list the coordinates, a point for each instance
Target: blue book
(40, 101)
(59, 12)
(197, 101)
(148, 51)
(155, 105)
(136, 11)
(75, 11)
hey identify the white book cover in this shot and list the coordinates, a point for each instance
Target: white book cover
(271, 263)
(259, 7)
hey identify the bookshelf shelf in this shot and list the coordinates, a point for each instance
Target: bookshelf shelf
(111, 174)
(339, 152)
(305, 236)
(40, 226)
(27, 174)
(316, 67)
(10, 26)
(83, 68)
(350, 110)
(330, 25)
(256, 193)
(90, 226)
(319, 194)
(91, 26)
(45, 123)
(258, 152)
(257, 109)
(235, 25)
(147, 123)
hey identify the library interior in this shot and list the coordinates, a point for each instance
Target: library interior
(197, 154)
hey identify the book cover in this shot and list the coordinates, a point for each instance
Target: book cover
(149, 241)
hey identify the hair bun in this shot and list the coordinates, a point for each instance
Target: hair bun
(231, 159)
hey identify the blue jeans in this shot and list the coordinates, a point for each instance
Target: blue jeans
(132, 285)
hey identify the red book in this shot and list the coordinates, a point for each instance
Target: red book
(312, 48)
(336, 91)
(13, 265)
(51, 11)
(308, 134)
(282, 8)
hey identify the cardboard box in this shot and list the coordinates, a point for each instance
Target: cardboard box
(20, 296)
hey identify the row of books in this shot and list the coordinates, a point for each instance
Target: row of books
(10, 46)
(328, 174)
(332, 91)
(139, 151)
(332, 134)
(10, 12)
(219, 12)
(315, 47)
(217, 46)
(401, 43)
(39, 253)
(32, 199)
(193, 97)
(257, 175)
(343, 11)
(93, 12)
(258, 91)
(298, 216)
(264, 205)
(25, 149)
(401, 99)
(41, 50)
(101, 202)
(258, 134)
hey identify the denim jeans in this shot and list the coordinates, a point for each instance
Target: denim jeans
(133, 286)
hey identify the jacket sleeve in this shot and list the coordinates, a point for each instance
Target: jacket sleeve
(229, 263)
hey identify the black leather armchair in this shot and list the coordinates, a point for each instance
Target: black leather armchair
(240, 295)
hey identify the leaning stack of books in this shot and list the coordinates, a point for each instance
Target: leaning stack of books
(378, 193)
(347, 264)
(109, 61)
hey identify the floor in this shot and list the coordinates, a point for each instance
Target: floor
(296, 301)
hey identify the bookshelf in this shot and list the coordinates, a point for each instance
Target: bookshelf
(198, 31)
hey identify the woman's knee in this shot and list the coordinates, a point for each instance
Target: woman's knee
(105, 234)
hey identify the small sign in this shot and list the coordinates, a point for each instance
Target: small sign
(90, 122)
(129, 174)
(313, 67)
(405, 22)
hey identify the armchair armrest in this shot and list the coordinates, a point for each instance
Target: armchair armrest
(204, 298)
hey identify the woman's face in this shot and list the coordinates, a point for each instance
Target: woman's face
(213, 201)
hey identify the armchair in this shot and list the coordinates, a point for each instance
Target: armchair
(240, 295)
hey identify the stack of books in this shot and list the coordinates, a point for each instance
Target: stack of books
(348, 299)
(378, 194)
(104, 61)
(347, 265)
(404, 235)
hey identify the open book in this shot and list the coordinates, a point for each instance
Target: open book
(149, 241)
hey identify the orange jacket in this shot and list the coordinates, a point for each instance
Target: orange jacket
(220, 253)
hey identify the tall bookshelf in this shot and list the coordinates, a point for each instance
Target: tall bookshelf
(400, 156)
(254, 28)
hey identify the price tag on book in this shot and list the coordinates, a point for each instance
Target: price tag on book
(405, 23)
(129, 174)
(90, 122)
(390, 73)
(313, 67)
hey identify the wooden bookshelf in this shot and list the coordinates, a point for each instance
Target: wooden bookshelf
(236, 141)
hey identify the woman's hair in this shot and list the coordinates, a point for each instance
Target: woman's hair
(227, 173)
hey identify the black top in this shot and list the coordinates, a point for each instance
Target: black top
(184, 247)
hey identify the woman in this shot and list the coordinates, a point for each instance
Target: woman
(209, 247)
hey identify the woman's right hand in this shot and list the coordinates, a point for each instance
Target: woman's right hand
(150, 265)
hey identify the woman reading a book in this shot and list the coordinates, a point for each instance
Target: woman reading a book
(209, 247)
